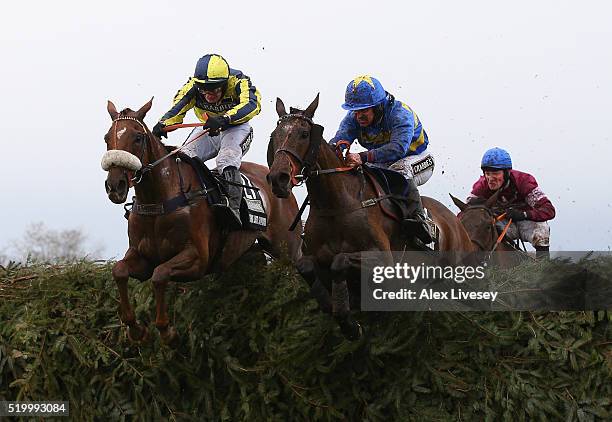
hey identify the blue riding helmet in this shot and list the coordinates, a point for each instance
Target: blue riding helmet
(363, 92)
(496, 158)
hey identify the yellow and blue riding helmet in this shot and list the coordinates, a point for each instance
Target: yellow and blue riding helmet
(212, 71)
(363, 92)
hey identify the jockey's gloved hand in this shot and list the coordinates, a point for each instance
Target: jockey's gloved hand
(157, 130)
(516, 215)
(215, 123)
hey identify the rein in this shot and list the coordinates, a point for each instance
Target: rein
(169, 205)
(307, 164)
(308, 168)
(138, 175)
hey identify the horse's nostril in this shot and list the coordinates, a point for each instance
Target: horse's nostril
(283, 179)
(107, 186)
(121, 185)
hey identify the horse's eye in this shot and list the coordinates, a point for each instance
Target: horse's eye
(139, 137)
(304, 134)
(106, 138)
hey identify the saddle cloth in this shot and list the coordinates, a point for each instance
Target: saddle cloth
(252, 209)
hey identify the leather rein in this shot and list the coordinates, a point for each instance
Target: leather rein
(304, 168)
(172, 204)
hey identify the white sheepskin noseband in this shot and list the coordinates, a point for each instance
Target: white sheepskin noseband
(120, 158)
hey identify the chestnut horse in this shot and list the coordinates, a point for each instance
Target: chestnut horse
(346, 214)
(182, 244)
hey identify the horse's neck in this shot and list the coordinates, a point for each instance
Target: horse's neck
(162, 182)
(335, 190)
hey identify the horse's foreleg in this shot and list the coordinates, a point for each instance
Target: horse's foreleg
(184, 266)
(343, 266)
(136, 266)
(306, 266)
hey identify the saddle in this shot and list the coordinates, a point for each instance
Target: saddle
(252, 210)
(394, 185)
(211, 187)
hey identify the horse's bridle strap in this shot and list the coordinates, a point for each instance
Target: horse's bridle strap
(330, 171)
(167, 206)
(331, 212)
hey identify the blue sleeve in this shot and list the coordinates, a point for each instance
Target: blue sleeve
(402, 131)
(348, 130)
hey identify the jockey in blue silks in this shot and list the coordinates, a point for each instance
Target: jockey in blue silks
(394, 138)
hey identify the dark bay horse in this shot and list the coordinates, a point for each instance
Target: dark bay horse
(345, 219)
(480, 220)
(188, 242)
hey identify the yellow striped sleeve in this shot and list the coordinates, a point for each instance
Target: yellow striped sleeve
(249, 103)
(184, 100)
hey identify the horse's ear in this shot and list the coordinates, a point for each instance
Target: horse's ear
(112, 110)
(492, 200)
(310, 110)
(280, 107)
(140, 114)
(461, 205)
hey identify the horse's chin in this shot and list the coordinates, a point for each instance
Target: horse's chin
(282, 193)
(117, 198)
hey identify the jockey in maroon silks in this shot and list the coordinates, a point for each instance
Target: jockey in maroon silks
(525, 203)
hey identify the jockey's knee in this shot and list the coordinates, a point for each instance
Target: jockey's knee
(422, 177)
(535, 232)
(541, 235)
(229, 157)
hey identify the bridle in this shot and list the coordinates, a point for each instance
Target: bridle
(137, 178)
(138, 174)
(494, 220)
(303, 164)
(305, 167)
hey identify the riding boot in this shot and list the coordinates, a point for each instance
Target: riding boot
(542, 252)
(415, 224)
(231, 207)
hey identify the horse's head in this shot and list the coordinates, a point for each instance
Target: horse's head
(479, 221)
(127, 149)
(293, 146)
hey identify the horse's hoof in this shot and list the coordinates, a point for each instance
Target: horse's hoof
(351, 330)
(138, 334)
(169, 336)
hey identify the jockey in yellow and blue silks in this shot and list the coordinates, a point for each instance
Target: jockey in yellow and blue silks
(224, 99)
(394, 138)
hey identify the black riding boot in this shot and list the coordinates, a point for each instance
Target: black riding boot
(542, 252)
(415, 224)
(231, 207)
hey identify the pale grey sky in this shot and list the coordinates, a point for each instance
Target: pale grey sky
(532, 77)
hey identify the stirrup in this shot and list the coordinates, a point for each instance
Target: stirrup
(225, 203)
(418, 228)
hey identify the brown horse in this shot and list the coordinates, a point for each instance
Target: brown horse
(480, 220)
(347, 214)
(182, 244)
